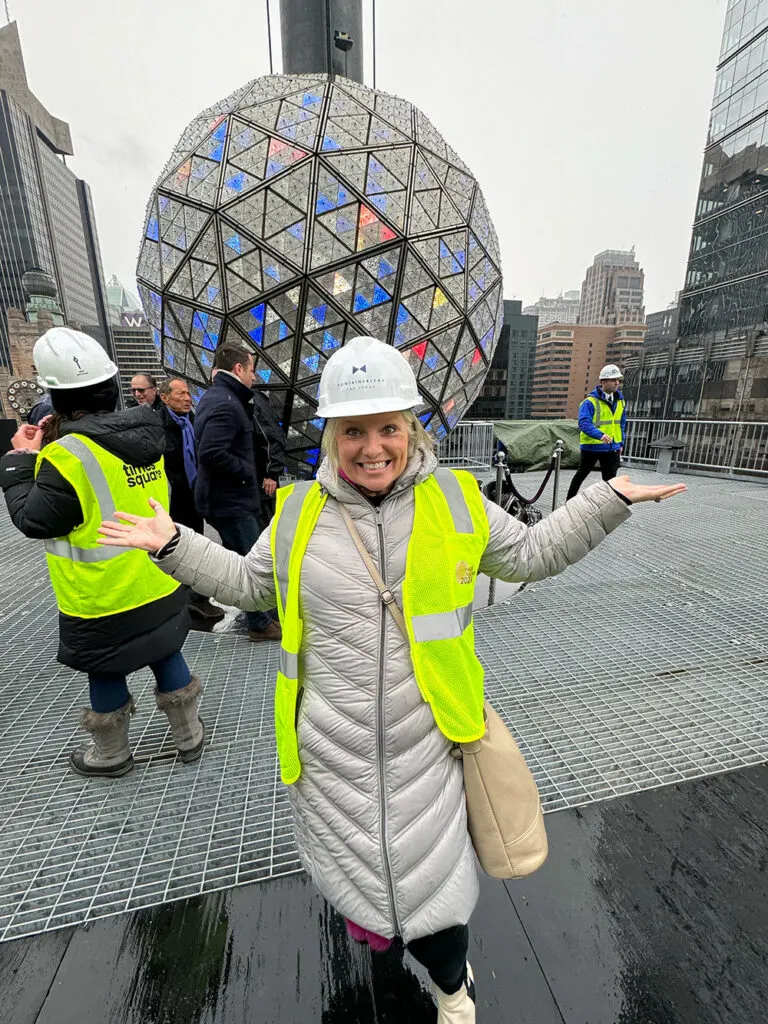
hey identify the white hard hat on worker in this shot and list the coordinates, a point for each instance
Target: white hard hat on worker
(364, 377)
(610, 372)
(66, 359)
(367, 392)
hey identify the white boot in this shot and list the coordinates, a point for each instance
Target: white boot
(458, 1008)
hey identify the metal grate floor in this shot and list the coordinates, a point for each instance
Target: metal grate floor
(643, 665)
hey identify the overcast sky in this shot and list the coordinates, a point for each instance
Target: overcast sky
(584, 120)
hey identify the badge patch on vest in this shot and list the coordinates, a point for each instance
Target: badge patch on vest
(464, 572)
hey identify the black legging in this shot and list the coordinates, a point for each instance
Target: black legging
(609, 467)
(444, 954)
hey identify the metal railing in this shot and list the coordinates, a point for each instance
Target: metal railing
(720, 445)
(470, 445)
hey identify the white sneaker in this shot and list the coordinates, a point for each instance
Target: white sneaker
(458, 1008)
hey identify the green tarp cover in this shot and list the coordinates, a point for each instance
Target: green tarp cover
(530, 443)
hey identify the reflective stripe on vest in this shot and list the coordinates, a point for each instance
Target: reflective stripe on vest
(98, 482)
(91, 580)
(450, 534)
(606, 419)
(297, 509)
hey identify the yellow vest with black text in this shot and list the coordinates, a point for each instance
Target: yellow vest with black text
(450, 534)
(607, 419)
(89, 579)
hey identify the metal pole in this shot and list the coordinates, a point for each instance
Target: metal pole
(499, 460)
(557, 455)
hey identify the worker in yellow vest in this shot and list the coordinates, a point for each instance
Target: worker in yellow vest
(366, 714)
(602, 426)
(117, 612)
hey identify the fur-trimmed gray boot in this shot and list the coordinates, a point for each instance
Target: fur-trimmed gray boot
(180, 707)
(108, 755)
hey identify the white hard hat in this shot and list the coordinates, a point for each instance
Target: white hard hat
(65, 358)
(610, 372)
(365, 377)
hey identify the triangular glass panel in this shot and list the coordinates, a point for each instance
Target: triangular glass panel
(407, 328)
(428, 136)
(398, 112)
(294, 187)
(371, 229)
(263, 114)
(383, 267)
(149, 263)
(327, 247)
(480, 223)
(346, 132)
(353, 167)
(282, 155)
(425, 212)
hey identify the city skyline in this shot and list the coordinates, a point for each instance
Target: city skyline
(550, 223)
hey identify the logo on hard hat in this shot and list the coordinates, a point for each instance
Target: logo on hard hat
(358, 369)
(80, 370)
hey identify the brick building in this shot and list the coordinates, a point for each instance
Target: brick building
(569, 358)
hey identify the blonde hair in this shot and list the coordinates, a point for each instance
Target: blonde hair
(417, 437)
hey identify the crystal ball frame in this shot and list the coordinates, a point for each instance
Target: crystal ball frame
(302, 211)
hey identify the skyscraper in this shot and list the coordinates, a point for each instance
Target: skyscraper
(726, 285)
(46, 212)
(562, 309)
(612, 292)
(135, 348)
(506, 391)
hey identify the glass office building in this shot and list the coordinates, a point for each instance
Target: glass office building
(726, 284)
(46, 211)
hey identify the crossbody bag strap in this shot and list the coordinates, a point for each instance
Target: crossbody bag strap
(386, 594)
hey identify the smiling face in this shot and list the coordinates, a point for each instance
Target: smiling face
(373, 450)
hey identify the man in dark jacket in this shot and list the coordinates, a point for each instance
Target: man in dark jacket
(43, 407)
(181, 469)
(144, 391)
(227, 487)
(270, 442)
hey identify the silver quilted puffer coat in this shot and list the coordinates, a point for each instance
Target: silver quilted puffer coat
(379, 808)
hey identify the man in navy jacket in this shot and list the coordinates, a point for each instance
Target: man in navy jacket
(602, 428)
(227, 491)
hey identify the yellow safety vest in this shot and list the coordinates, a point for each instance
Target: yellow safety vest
(450, 534)
(89, 579)
(606, 419)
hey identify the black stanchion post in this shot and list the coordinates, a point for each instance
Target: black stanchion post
(500, 462)
(557, 455)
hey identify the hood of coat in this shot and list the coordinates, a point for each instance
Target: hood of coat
(136, 435)
(420, 465)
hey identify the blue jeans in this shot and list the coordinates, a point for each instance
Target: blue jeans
(240, 534)
(109, 692)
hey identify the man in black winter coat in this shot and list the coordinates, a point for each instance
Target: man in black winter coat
(270, 444)
(227, 489)
(178, 422)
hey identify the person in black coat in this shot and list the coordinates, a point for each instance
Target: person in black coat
(46, 505)
(144, 391)
(181, 469)
(270, 444)
(227, 489)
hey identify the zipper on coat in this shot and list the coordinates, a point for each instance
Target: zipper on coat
(380, 727)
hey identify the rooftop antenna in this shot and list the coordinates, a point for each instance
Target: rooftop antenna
(7, 13)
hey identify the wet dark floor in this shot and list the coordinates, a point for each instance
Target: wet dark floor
(652, 909)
